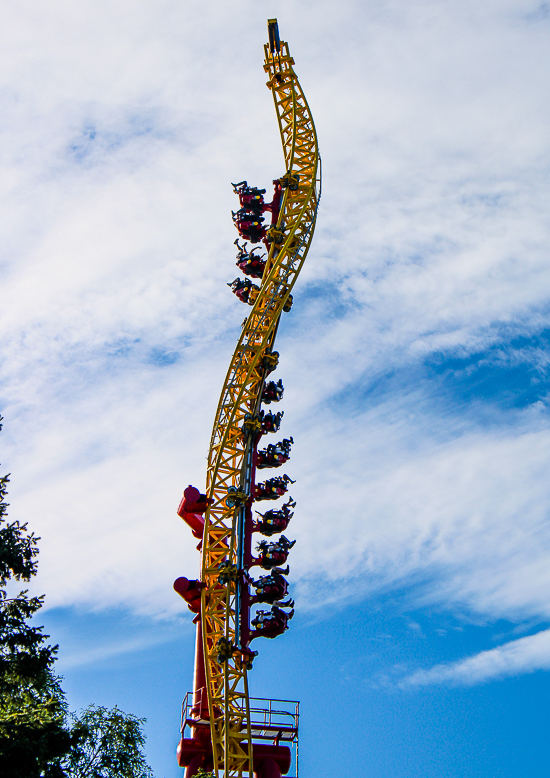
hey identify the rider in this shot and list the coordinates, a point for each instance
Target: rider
(275, 455)
(250, 264)
(241, 288)
(252, 198)
(274, 521)
(273, 488)
(244, 215)
(270, 588)
(275, 553)
(270, 624)
(271, 422)
(273, 392)
(251, 232)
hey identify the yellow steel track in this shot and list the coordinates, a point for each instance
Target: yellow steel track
(227, 681)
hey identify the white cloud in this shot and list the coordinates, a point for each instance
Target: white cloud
(421, 501)
(124, 126)
(92, 655)
(525, 655)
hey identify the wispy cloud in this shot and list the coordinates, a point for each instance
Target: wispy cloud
(525, 655)
(93, 654)
(414, 468)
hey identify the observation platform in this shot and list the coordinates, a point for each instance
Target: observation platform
(273, 721)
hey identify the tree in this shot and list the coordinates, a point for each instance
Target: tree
(109, 744)
(39, 738)
(33, 734)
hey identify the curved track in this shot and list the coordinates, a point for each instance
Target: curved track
(229, 459)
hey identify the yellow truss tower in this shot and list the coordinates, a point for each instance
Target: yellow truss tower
(229, 453)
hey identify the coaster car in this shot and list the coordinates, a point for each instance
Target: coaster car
(269, 588)
(252, 199)
(273, 488)
(273, 554)
(270, 361)
(244, 289)
(252, 231)
(243, 190)
(275, 455)
(247, 216)
(274, 521)
(270, 624)
(249, 263)
(271, 422)
(273, 392)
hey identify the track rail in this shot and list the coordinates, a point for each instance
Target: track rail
(230, 450)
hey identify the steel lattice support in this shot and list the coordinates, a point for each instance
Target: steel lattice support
(228, 701)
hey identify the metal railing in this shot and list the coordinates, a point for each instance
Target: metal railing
(272, 720)
(275, 720)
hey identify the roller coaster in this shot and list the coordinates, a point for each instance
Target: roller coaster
(231, 734)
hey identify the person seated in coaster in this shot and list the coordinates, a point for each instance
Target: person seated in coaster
(241, 288)
(246, 216)
(273, 392)
(270, 624)
(272, 488)
(251, 264)
(269, 588)
(273, 554)
(274, 521)
(271, 422)
(250, 196)
(243, 188)
(253, 200)
(252, 232)
(275, 455)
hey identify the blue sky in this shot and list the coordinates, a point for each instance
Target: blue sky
(415, 358)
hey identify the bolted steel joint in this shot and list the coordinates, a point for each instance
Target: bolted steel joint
(275, 236)
(270, 361)
(224, 650)
(251, 425)
(290, 180)
(235, 498)
(228, 572)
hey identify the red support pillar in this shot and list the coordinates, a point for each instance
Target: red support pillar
(268, 768)
(193, 766)
(200, 697)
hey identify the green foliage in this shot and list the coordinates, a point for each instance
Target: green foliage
(109, 744)
(203, 774)
(38, 737)
(32, 706)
